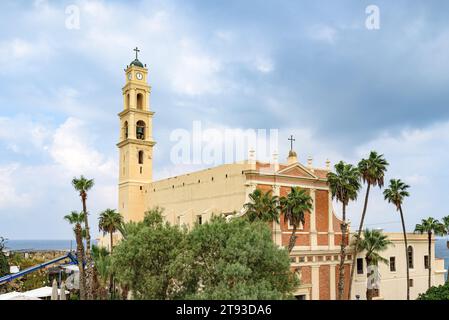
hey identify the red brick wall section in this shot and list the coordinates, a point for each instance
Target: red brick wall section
(337, 276)
(325, 283)
(322, 210)
(264, 188)
(301, 239)
(306, 275)
(322, 239)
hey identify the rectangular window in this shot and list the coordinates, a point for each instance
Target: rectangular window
(359, 265)
(301, 297)
(199, 219)
(426, 262)
(411, 283)
(393, 264)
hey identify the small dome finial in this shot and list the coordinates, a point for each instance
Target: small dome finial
(136, 61)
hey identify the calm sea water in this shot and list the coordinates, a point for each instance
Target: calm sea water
(41, 245)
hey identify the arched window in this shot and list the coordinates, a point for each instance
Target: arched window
(125, 130)
(410, 257)
(140, 101)
(140, 130)
(140, 157)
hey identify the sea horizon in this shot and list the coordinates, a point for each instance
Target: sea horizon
(40, 245)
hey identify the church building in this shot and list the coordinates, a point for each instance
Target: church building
(194, 197)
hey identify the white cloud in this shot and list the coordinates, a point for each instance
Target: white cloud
(22, 53)
(264, 65)
(10, 196)
(22, 135)
(72, 148)
(323, 33)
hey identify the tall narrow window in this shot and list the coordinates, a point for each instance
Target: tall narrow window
(140, 130)
(426, 262)
(140, 101)
(359, 265)
(393, 264)
(410, 257)
(125, 130)
(141, 157)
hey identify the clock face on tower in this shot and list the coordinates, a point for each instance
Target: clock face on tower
(139, 76)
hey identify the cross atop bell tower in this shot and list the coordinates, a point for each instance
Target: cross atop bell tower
(137, 51)
(136, 141)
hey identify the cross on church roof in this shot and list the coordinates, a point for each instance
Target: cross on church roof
(291, 142)
(137, 51)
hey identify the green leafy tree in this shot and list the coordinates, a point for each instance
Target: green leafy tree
(262, 206)
(83, 185)
(234, 260)
(215, 260)
(372, 244)
(372, 171)
(4, 266)
(436, 293)
(142, 260)
(395, 194)
(430, 226)
(77, 218)
(295, 206)
(344, 185)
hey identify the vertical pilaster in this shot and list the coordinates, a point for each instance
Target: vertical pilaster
(330, 223)
(132, 126)
(132, 98)
(332, 280)
(316, 282)
(313, 232)
(277, 233)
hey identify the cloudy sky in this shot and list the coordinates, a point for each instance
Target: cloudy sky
(308, 68)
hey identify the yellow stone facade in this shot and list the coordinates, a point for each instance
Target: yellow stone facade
(135, 143)
(195, 197)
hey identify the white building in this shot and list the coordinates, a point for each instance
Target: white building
(393, 283)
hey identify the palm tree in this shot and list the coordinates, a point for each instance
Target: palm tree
(430, 226)
(395, 194)
(263, 206)
(295, 206)
(372, 171)
(102, 260)
(109, 222)
(83, 185)
(344, 185)
(446, 224)
(77, 218)
(373, 242)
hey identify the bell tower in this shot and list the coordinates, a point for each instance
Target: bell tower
(136, 142)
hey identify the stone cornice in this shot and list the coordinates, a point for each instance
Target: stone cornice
(136, 141)
(126, 111)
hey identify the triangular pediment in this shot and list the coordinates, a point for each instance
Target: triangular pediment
(297, 170)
